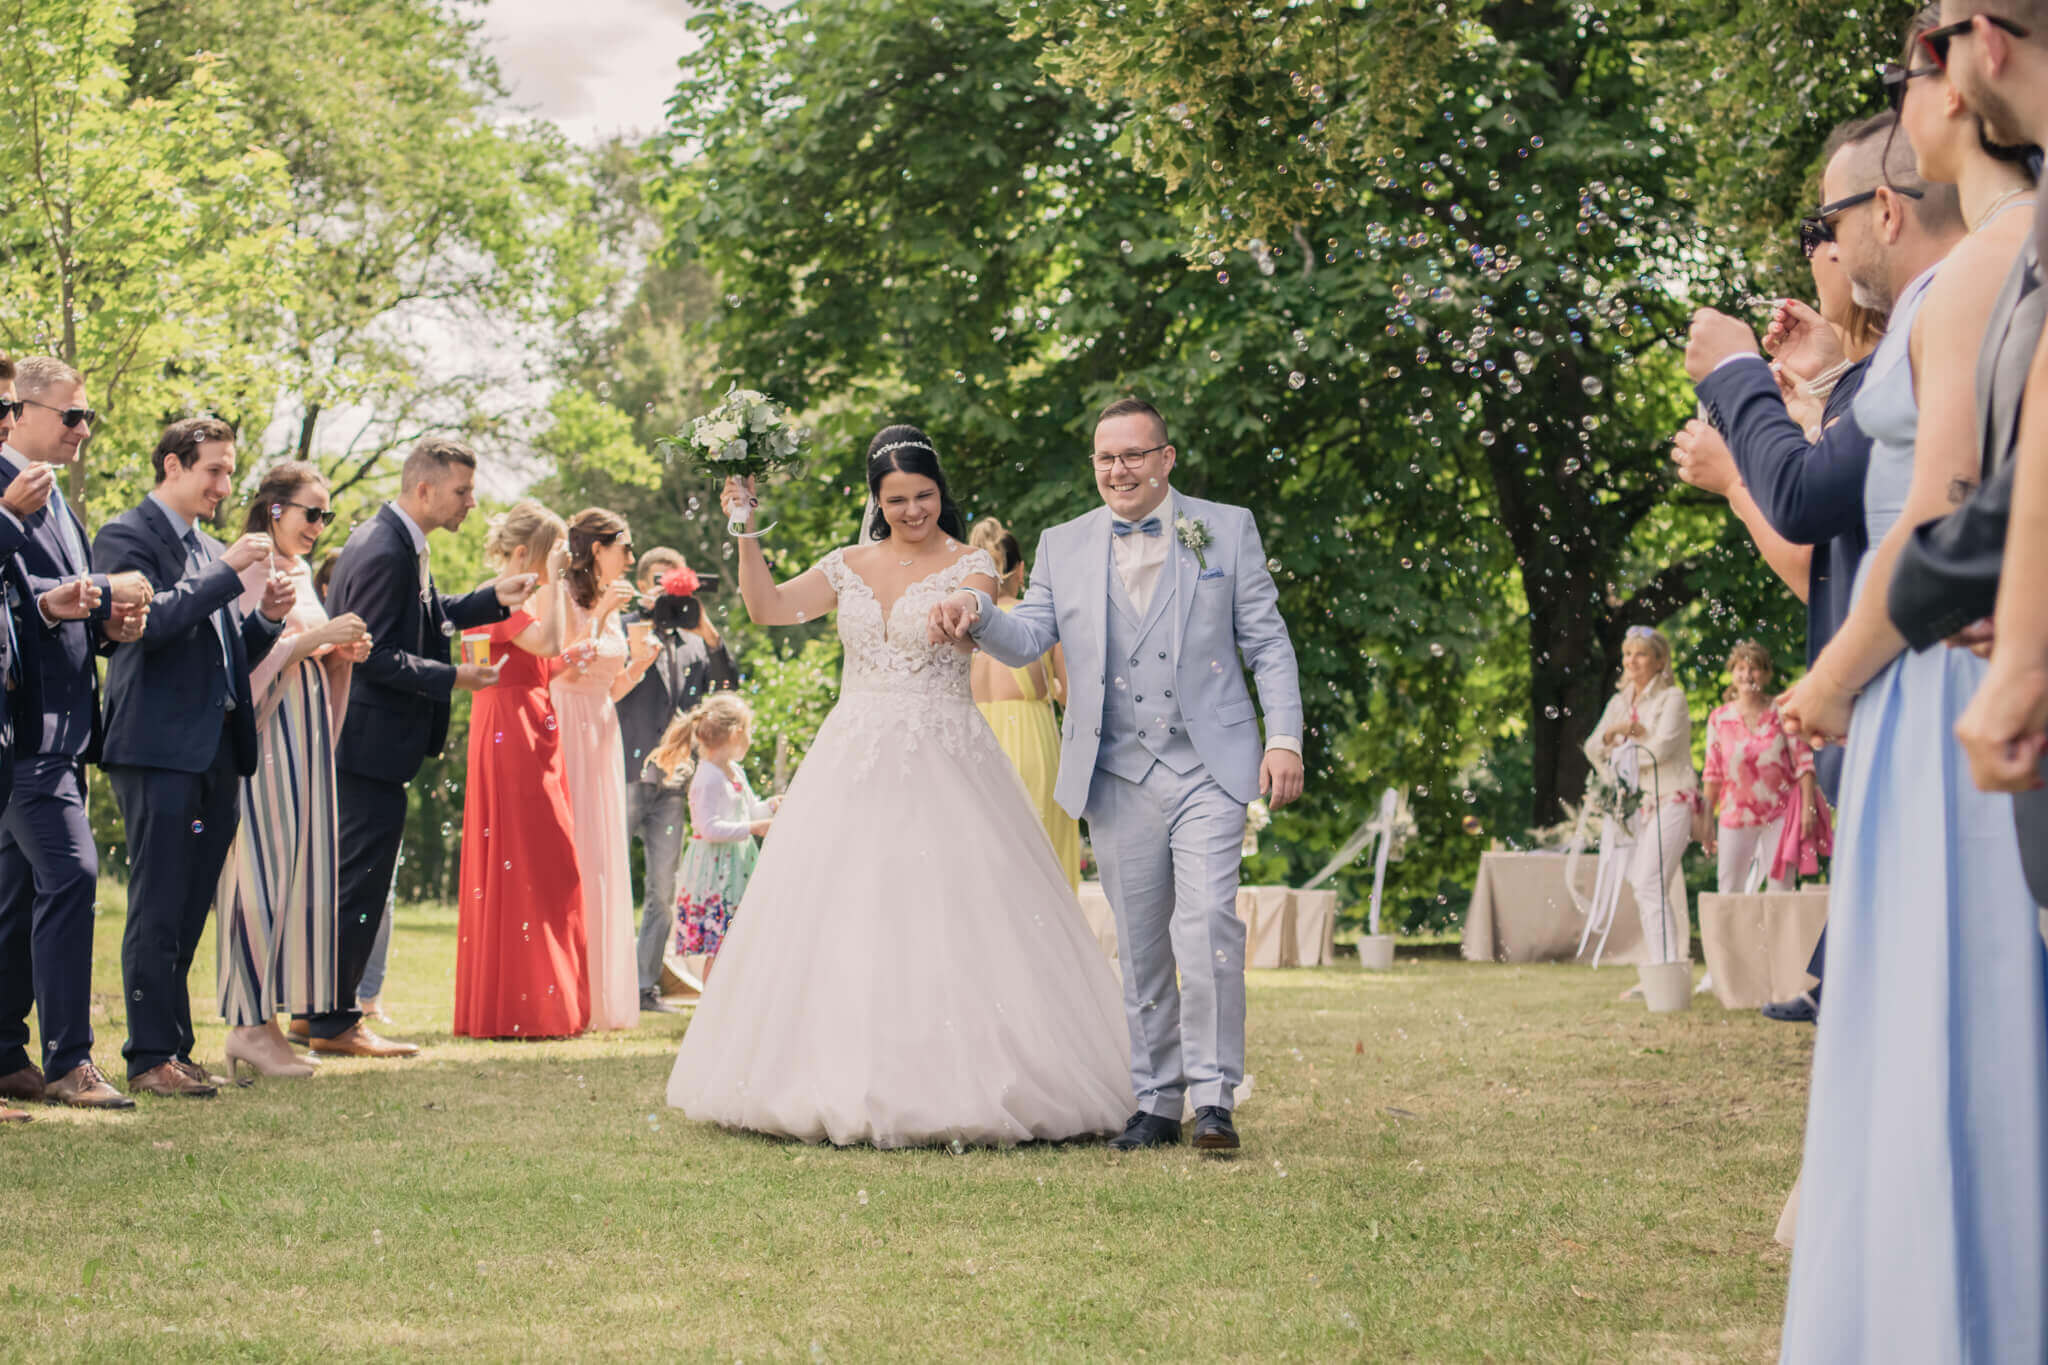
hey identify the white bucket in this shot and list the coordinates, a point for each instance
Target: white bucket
(1667, 986)
(1376, 952)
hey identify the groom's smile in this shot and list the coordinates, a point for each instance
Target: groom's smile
(1132, 459)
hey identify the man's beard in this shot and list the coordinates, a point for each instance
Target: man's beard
(1877, 297)
(1998, 124)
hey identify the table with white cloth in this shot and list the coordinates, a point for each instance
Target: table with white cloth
(1521, 911)
(1758, 946)
(1283, 927)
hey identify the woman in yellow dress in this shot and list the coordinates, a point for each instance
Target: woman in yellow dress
(1018, 702)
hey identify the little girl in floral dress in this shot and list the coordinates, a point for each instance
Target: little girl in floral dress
(725, 818)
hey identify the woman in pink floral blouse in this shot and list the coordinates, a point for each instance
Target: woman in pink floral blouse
(1758, 780)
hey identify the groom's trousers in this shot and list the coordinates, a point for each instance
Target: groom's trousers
(1169, 848)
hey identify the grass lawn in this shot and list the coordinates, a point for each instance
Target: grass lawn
(1444, 1162)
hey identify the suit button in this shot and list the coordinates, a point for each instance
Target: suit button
(1162, 653)
(1169, 691)
(1100, 679)
(1141, 734)
(1134, 660)
(1173, 729)
(1098, 732)
(1139, 697)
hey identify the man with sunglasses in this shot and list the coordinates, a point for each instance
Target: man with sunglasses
(181, 732)
(49, 867)
(1950, 574)
(1887, 228)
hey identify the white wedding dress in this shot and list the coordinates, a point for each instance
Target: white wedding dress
(908, 966)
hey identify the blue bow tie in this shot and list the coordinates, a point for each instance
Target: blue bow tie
(1148, 527)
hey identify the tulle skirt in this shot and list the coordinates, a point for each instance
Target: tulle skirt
(905, 969)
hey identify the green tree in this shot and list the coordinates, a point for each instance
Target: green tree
(437, 230)
(144, 238)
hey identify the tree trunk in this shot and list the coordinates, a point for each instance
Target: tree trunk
(1568, 683)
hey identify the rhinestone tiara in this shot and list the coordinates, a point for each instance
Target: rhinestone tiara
(903, 445)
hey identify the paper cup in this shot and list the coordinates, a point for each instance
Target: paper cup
(476, 647)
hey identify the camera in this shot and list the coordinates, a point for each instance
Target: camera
(672, 611)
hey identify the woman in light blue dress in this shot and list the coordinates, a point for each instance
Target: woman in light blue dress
(1923, 1221)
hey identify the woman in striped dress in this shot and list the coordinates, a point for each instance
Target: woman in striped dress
(279, 891)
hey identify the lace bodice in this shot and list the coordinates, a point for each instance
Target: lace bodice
(895, 656)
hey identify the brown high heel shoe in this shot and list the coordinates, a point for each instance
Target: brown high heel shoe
(257, 1048)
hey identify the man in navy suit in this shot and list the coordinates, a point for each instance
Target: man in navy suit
(23, 497)
(397, 702)
(181, 732)
(49, 868)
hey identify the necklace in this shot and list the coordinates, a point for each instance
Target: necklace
(1991, 209)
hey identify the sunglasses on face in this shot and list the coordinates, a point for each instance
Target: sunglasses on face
(10, 408)
(1935, 41)
(70, 417)
(1815, 229)
(1895, 77)
(318, 516)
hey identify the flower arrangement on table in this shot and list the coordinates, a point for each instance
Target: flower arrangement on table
(746, 435)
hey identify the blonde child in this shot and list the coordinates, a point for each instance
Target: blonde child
(706, 746)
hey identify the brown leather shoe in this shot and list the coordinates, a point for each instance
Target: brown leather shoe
(199, 1073)
(82, 1087)
(299, 1031)
(13, 1115)
(360, 1042)
(170, 1081)
(25, 1084)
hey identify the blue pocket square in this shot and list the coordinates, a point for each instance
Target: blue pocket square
(1210, 573)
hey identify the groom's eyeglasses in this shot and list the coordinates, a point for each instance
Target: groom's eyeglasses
(70, 417)
(1935, 41)
(1133, 458)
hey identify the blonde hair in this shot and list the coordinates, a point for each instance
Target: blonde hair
(991, 535)
(1752, 651)
(714, 720)
(1654, 639)
(523, 523)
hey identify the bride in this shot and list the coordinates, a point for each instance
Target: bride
(908, 965)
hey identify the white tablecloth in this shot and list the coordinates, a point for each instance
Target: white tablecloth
(1757, 947)
(1521, 911)
(1283, 927)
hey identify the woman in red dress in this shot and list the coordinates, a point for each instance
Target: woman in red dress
(519, 961)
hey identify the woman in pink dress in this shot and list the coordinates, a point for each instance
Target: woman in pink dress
(1759, 781)
(519, 957)
(599, 666)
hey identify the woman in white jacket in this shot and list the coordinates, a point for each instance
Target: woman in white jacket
(1646, 732)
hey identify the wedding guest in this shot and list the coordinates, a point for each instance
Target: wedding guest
(181, 732)
(1017, 703)
(1760, 789)
(23, 497)
(707, 747)
(279, 895)
(1990, 552)
(1812, 495)
(398, 702)
(49, 866)
(520, 955)
(1644, 739)
(1924, 1209)
(692, 660)
(598, 667)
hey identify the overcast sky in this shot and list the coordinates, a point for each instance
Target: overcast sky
(595, 67)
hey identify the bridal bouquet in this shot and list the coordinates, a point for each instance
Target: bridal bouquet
(1604, 796)
(746, 435)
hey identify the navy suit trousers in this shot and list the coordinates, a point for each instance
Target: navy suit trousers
(49, 875)
(180, 828)
(372, 828)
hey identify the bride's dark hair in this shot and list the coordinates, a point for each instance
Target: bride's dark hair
(904, 449)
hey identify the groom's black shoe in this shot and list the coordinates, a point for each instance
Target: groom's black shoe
(1213, 1132)
(1147, 1130)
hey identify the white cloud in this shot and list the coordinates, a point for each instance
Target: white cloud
(593, 67)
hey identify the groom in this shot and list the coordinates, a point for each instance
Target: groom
(1154, 596)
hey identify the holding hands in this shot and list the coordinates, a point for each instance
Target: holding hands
(953, 619)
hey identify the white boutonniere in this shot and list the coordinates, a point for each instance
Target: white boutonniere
(1194, 535)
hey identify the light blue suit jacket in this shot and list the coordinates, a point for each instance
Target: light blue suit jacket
(1229, 608)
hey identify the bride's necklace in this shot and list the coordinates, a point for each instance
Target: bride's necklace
(1991, 209)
